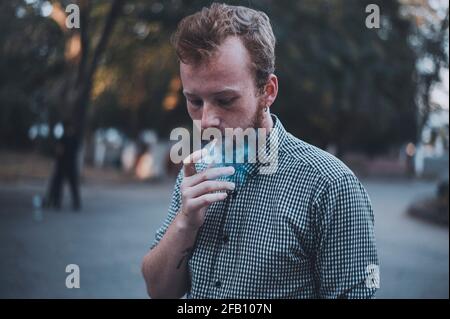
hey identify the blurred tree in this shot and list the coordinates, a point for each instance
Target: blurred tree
(145, 82)
(340, 82)
(82, 54)
(30, 53)
(430, 42)
(354, 84)
(84, 47)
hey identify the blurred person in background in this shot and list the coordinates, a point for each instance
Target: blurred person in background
(66, 168)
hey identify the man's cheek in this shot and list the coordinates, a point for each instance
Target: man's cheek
(195, 115)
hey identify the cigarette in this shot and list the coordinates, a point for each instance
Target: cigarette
(211, 145)
(208, 148)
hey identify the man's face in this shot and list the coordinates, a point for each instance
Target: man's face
(221, 92)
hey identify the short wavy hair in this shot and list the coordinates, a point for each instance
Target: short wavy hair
(198, 36)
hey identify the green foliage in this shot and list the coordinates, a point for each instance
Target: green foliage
(31, 52)
(340, 82)
(352, 84)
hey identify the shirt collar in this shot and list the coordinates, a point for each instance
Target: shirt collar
(264, 163)
(274, 142)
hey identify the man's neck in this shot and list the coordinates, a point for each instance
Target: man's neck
(267, 122)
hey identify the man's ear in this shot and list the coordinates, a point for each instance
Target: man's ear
(271, 90)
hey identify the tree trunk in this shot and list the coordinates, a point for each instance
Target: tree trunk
(80, 72)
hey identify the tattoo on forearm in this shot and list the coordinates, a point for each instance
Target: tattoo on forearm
(185, 253)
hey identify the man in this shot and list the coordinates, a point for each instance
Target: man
(304, 231)
(66, 168)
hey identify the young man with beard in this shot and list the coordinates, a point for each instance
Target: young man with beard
(303, 231)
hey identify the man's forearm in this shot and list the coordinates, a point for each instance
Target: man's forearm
(165, 266)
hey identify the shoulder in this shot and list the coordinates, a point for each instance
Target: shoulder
(303, 158)
(332, 186)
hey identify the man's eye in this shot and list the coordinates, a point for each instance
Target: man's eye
(225, 102)
(197, 103)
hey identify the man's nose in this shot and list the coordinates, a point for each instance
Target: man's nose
(210, 117)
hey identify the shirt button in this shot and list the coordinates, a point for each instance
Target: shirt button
(218, 284)
(231, 193)
(225, 238)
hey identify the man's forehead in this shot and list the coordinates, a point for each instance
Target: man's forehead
(216, 66)
(228, 67)
(210, 80)
(212, 90)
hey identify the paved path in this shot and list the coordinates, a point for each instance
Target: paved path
(108, 239)
(413, 254)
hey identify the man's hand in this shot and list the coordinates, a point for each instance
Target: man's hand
(165, 266)
(199, 190)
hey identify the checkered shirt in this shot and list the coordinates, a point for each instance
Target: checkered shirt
(304, 231)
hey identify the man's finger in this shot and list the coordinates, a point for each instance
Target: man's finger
(210, 186)
(211, 173)
(206, 200)
(189, 162)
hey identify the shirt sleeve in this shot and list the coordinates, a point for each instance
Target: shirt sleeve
(346, 264)
(174, 207)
